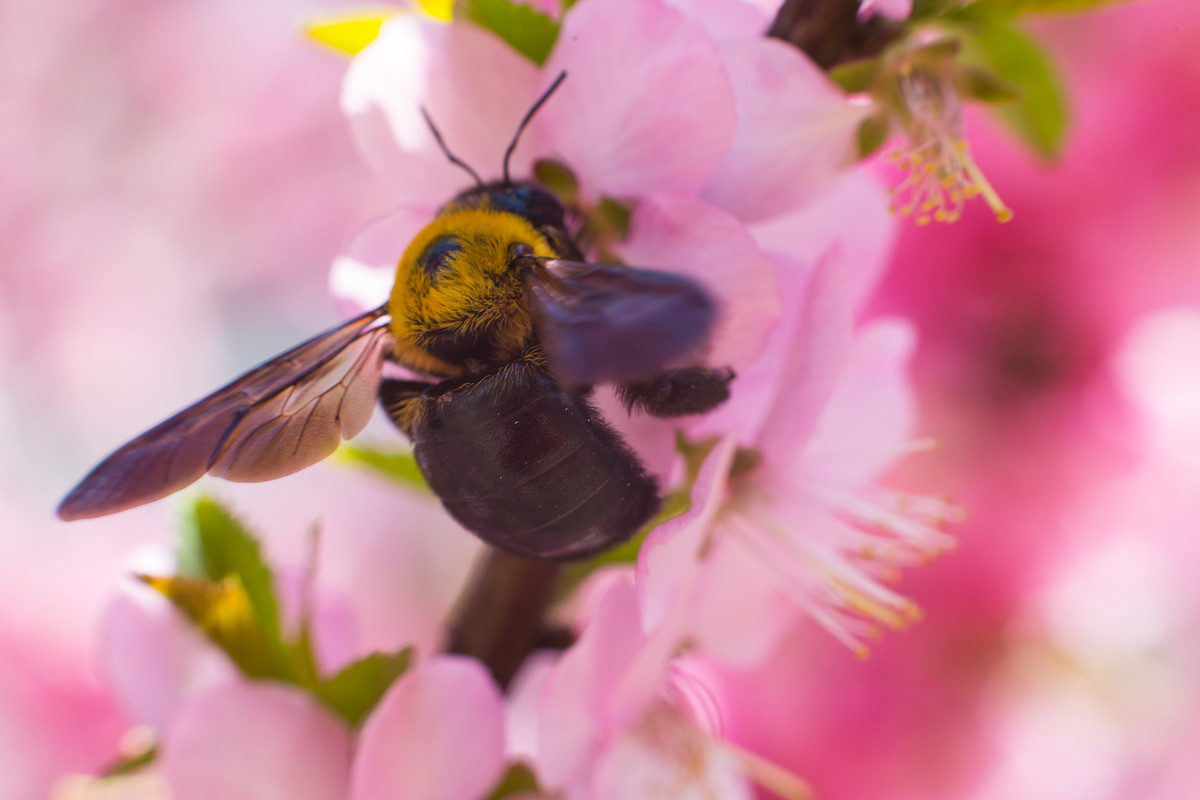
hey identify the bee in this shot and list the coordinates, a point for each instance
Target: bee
(506, 329)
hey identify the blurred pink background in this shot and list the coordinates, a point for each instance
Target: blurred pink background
(178, 177)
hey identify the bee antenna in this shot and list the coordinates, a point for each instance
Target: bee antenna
(562, 76)
(455, 160)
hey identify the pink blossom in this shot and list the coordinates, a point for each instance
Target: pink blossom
(438, 734)
(838, 414)
(610, 725)
(259, 741)
(622, 139)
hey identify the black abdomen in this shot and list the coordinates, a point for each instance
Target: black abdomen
(529, 468)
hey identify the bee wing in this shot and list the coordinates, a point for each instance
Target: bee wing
(280, 417)
(604, 322)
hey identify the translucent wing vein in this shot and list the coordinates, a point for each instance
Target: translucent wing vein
(279, 417)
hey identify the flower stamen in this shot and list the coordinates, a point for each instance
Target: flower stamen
(940, 175)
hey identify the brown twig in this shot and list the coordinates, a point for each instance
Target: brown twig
(500, 616)
(829, 31)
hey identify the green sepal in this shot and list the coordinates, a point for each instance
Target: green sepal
(930, 9)
(985, 86)
(358, 687)
(859, 75)
(216, 549)
(214, 544)
(1039, 114)
(518, 779)
(1012, 8)
(558, 178)
(224, 612)
(873, 133)
(397, 466)
(526, 29)
(129, 764)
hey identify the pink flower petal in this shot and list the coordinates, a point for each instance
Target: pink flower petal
(668, 762)
(438, 734)
(872, 412)
(362, 275)
(814, 358)
(796, 131)
(646, 106)
(696, 239)
(670, 551)
(474, 86)
(725, 19)
(521, 707)
(741, 614)
(256, 741)
(153, 657)
(853, 216)
(572, 723)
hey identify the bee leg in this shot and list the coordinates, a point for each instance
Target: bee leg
(402, 401)
(679, 391)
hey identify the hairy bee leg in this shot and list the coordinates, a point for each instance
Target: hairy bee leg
(675, 392)
(402, 400)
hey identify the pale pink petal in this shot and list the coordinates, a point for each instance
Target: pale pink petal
(572, 723)
(897, 10)
(521, 705)
(871, 414)
(362, 275)
(333, 621)
(475, 87)
(796, 131)
(154, 658)
(725, 19)
(668, 761)
(736, 591)
(814, 359)
(853, 216)
(693, 238)
(438, 734)
(755, 387)
(646, 106)
(671, 550)
(256, 741)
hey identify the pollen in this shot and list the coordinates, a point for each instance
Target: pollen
(940, 174)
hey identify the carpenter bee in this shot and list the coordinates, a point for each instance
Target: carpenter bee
(496, 310)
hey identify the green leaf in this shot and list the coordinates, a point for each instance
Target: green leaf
(398, 466)
(1011, 8)
(1039, 114)
(355, 691)
(518, 780)
(216, 545)
(526, 29)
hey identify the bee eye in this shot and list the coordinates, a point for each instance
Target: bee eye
(438, 255)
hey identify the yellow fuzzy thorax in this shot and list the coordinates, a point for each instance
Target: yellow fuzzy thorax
(471, 291)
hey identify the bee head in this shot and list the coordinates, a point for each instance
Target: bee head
(459, 292)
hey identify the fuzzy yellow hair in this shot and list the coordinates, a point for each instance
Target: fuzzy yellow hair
(470, 292)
